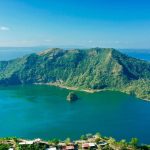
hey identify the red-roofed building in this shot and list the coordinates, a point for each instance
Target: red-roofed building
(85, 146)
(70, 147)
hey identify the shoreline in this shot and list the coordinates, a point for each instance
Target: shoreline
(70, 88)
(85, 90)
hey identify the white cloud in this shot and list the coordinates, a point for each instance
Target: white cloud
(4, 28)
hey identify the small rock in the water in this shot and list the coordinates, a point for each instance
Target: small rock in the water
(72, 96)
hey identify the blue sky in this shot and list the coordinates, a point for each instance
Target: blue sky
(83, 23)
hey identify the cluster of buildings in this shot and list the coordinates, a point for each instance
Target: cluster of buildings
(80, 144)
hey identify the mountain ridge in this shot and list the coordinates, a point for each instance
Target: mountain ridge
(89, 69)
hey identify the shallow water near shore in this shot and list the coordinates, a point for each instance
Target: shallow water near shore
(40, 111)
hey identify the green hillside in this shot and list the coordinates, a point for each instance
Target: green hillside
(91, 69)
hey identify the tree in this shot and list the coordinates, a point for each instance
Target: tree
(68, 141)
(54, 141)
(123, 144)
(4, 146)
(83, 137)
(98, 135)
(111, 140)
(134, 141)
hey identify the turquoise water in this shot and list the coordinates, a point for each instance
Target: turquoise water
(42, 111)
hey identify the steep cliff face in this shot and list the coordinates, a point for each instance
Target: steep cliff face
(94, 68)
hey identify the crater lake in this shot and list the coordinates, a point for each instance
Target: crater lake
(43, 112)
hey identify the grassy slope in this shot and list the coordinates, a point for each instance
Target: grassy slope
(86, 69)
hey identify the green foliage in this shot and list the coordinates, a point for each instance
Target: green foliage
(4, 146)
(95, 68)
(111, 140)
(32, 147)
(54, 141)
(122, 144)
(67, 141)
(98, 134)
(139, 88)
(134, 141)
(83, 137)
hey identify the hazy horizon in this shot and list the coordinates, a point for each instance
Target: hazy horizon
(72, 47)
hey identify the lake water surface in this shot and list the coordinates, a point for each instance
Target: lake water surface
(43, 112)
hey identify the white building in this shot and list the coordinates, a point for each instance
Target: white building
(52, 148)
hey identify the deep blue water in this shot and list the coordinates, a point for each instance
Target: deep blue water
(138, 53)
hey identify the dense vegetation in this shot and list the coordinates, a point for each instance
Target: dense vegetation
(90, 69)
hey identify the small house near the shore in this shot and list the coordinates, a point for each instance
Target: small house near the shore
(37, 140)
(51, 148)
(88, 145)
(85, 146)
(92, 145)
(71, 147)
(102, 143)
(62, 146)
(26, 142)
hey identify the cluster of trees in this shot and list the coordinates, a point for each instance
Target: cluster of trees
(139, 88)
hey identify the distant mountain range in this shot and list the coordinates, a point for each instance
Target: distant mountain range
(83, 69)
